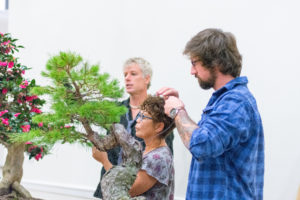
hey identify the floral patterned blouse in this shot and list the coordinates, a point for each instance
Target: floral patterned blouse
(158, 163)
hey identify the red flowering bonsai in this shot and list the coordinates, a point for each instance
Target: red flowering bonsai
(17, 107)
(84, 105)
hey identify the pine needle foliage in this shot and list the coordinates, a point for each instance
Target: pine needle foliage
(81, 97)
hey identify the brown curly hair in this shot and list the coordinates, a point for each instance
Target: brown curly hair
(154, 106)
(215, 48)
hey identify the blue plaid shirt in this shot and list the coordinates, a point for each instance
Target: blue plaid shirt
(228, 147)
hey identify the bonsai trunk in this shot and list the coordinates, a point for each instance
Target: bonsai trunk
(13, 171)
(117, 181)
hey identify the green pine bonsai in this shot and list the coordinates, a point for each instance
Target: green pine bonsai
(84, 102)
(80, 97)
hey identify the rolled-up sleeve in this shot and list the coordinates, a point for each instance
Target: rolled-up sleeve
(221, 128)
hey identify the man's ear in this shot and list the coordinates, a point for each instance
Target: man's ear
(159, 127)
(147, 78)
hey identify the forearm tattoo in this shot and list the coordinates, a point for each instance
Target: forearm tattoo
(185, 127)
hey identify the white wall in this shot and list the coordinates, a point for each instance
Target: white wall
(109, 32)
(3, 21)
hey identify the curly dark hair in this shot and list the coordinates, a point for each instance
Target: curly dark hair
(154, 106)
(215, 48)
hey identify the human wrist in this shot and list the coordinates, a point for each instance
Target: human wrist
(107, 165)
(175, 111)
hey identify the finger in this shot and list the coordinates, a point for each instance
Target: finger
(162, 90)
(171, 92)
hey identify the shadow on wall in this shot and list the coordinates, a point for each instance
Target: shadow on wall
(3, 21)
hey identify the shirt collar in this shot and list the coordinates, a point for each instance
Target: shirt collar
(243, 80)
(126, 103)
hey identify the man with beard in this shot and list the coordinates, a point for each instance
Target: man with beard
(227, 144)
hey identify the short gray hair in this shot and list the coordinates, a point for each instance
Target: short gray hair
(143, 64)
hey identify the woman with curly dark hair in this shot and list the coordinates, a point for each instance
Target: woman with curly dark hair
(155, 179)
(137, 79)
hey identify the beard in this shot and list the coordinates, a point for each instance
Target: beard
(207, 84)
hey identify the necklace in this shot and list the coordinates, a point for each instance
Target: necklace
(134, 107)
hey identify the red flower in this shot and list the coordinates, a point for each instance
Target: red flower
(5, 43)
(30, 98)
(31, 148)
(36, 110)
(24, 84)
(26, 128)
(17, 114)
(5, 121)
(3, 64)
(3, 112)
(40, 124)
(38, 156)
(4, 91)
(7, 50)
(10, 64)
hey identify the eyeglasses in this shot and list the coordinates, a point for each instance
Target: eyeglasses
(142, 116)
(194, 62)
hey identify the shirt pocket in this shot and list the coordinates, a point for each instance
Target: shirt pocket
(206, 111)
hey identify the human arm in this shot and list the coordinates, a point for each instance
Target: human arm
(184, 124)
(142, 183)
(101, 157)
(223, 126)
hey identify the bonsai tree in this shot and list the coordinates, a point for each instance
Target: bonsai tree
(17, 107)
(84, 106)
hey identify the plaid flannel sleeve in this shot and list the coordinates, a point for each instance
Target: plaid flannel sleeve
(222, 127)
